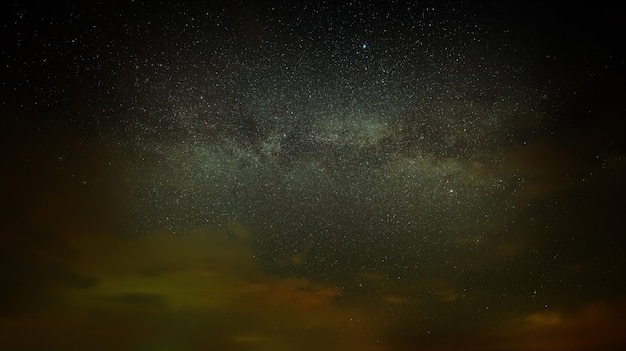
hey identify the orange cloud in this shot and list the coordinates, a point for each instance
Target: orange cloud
(596, 326)
(199, 278)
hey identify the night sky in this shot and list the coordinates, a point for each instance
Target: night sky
(258, 175)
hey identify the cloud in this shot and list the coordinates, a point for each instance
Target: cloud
(198, 278)
(594, 326)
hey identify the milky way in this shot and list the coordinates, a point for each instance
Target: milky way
(320, 127)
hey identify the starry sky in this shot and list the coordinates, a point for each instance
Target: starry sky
(322, 175)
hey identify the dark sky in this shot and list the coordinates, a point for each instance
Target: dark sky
(312, 175)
